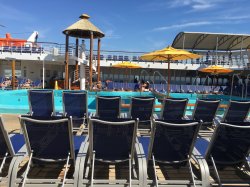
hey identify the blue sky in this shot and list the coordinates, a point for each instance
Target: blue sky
(131, 25)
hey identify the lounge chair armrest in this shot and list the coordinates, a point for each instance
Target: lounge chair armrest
(187, 117)
(217, 120)
(156, 116)
(142, 163)
(125, 115)
(247, 164)
(92, 114)
(204, 169)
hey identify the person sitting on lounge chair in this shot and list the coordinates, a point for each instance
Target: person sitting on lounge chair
(27, 84)
(145, 87)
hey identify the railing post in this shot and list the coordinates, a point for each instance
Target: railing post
(66, 81)
(90, 60)
(13, 74)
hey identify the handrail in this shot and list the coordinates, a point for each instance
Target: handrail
(145, 72)
(160, 76)
(247, 79)
(207, 77)
(195, 80)
(232, 84)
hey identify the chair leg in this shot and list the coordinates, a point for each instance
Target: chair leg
(156, 181)
(191, 171)
(216, 171)
(3, 162)
(130, 170)
(92, 169)
(66, 170)
(27, 169)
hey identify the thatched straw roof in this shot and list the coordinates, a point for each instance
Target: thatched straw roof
(83, 28)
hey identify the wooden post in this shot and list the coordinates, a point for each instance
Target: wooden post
(169, 76)
(98, 60)
(13, 75)
(90, 60)
(76, 53)
(66, 81)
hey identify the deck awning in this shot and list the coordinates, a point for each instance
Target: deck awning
(211, 41)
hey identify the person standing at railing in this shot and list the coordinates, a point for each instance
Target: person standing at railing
(230, 60)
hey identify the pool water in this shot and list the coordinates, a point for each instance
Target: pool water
(16, 102)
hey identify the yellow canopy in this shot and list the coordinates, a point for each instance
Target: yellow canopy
(215, 69)
(169, 53)
(128, 65)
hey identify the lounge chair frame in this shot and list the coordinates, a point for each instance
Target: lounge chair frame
(210, 146)
(8, 154)
(131, 158)
(194, 154)
(15, 181)
(175, 100)
(230, 103)
(108, 98)
(41, 91)
(76, 93)
(152, 112)
(205, 101)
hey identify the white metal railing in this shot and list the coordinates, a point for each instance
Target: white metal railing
(237, 59)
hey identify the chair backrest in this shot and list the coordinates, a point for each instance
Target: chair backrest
(237, 111)
(5, 143)
(230, 144)
(112, 141)
(48, 138)
(75, 104)
(108, 106)
(41, 102)
(142, 108)
(205, 110)
(173, 108)
(173, 142)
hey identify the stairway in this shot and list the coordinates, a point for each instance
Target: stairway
(75, 83)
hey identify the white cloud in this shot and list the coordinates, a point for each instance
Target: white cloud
(189, 24)
(195, 5)
(11, 13)
(220, 20)
(109, 34)
(154, 44)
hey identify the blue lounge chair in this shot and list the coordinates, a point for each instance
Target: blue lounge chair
(11, 147)
(227, 154)
(143, 109)
(114, 142)
(173, 108)
(41, 102)
(205, 110)
(49, 141)
(237, 111)
(75, 104)
(110, 85)
(171, 146)
(108, 107)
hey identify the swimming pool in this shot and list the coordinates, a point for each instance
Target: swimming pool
(16, 102)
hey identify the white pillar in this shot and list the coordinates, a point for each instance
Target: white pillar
(43, 74)
(82, 76)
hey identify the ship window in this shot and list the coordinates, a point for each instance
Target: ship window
(41, 72)
(47, 73)
(25, 73)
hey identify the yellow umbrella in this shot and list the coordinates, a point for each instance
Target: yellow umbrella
(215, 70)
(168, 54)
(127, 65)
